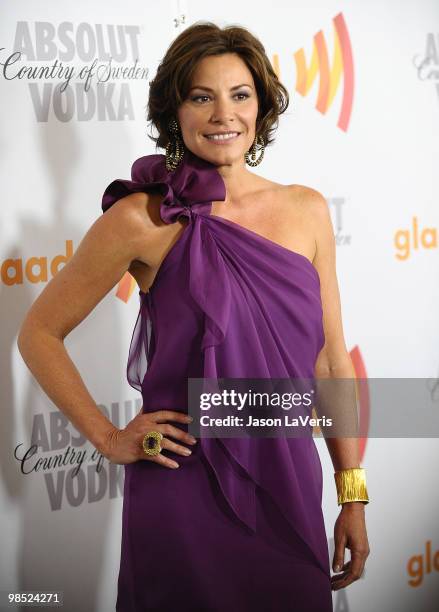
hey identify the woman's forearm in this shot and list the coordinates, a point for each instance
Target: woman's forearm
(48, 360)
(340, 397)
(344, 452)
(338, 400)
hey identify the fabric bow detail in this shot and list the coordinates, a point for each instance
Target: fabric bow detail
(188, 190)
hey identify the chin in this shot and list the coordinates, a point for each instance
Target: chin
(221, 156)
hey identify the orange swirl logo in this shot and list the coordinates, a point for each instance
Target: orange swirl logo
(329, 76)
(125, 287)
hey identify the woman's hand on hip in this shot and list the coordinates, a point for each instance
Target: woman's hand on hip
(126, 445)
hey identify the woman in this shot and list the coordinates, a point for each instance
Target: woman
(237, 279)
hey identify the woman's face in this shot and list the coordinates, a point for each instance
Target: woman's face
(222, 99)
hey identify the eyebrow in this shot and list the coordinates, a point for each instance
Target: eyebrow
(231, 89)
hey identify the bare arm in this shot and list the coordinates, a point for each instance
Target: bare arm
(334, 359)
(115, 239)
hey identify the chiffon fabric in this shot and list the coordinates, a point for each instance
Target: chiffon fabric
(239, 525)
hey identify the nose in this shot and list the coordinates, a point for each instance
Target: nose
(222, 109)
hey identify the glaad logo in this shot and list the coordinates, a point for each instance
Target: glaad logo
(329, 76)
(427, 64)
(35, 269)
(414, 238)
(421, 564)
(50, 82)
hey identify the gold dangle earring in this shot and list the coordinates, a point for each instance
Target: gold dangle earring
(250, 156)
(175, 147)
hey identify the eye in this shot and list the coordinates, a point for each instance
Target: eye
(246, 95)
(195, 98)
(243, 94)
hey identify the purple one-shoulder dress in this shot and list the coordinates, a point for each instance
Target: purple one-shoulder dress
(239, 525)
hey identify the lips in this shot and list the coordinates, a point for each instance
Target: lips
(221, 136)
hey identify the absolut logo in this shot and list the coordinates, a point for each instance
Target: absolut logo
(76, 71)
(427, 63)
(74, 472)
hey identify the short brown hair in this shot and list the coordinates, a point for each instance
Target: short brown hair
(170, 86)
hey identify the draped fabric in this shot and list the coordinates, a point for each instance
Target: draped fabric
(227, 303)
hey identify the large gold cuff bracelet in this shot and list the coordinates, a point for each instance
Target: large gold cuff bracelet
(351, 485)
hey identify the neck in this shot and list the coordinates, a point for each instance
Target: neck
(237, 180)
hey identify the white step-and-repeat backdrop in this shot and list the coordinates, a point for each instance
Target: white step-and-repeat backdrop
(362, 128)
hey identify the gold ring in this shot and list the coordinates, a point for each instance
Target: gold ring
(151, 443)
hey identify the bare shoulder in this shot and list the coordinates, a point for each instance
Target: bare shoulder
(135, 220)
(316, 212)
(301, 198)
(311, 199)
(310, 208)
(313, 205)
(135, 211)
